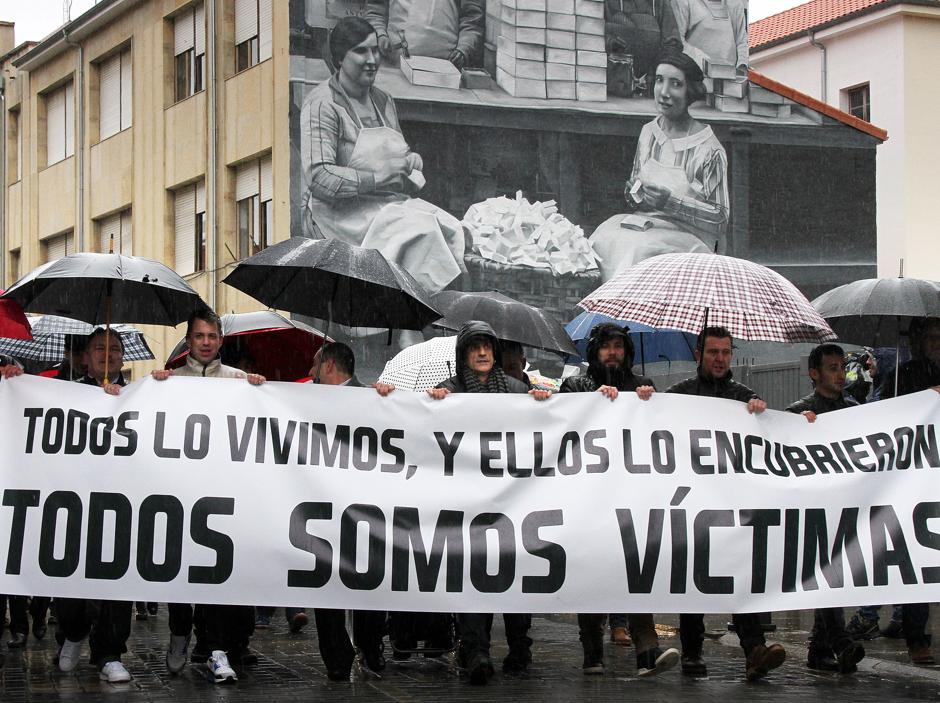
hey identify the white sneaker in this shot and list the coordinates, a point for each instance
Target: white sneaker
(176, 653)
(219, 667)
(114, 672)
(69, 655)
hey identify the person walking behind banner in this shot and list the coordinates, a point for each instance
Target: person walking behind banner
(713, 380)
(831, 648)
(922, 372)
(610, 362)
(222, 631)
(107, 624)
(479, 370)
(334, 364)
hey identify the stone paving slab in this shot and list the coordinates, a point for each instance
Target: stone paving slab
(290, 669)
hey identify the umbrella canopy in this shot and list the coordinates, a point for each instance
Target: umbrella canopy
(651, 344)
(422, 366)
(681, 291)
(511, 320)
(335, 281)
(13, 323)
(277, 348)
(875, 311)
(51, 345)
(104, 288)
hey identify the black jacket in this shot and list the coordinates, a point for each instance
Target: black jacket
(455, 383)
(586, 384)
(820, 404)
(914, 376)
(92, 381)
(725, 387)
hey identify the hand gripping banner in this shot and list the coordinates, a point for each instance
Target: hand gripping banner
(215, 491)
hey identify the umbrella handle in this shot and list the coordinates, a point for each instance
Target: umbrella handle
(107, 331)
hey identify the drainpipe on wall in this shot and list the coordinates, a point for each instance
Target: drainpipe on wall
(79, 143)
(823, 69)
(3, 180)
(212, 214)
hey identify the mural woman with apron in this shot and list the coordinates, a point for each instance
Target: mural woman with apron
(678, 186)
(358, 168)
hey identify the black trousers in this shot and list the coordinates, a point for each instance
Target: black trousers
(828, 633)
(181, 618)
(336, 649)
(225, 627)
(474, 631)
(406, 628)
(19, 623)
(106, 623)
(914, 618)
(39, 608)
(692, 632)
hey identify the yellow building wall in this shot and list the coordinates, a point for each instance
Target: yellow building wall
(168, 145)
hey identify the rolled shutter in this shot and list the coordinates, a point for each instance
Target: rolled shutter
(183, 35)
(109, 94)
(185, 216)
(127, 234)
(127, 91)
(200, 37)
(266, 188)
(110, 227)
(246, 180)
(264, 29)
(246, 20)
(69, 119)
(55, 126)
(56, 247)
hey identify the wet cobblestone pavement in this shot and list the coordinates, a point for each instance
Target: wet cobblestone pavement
(290, 669)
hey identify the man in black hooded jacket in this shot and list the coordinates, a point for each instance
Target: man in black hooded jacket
(479, 370)
(610, 370)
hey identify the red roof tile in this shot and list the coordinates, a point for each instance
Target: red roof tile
(817, 105)
(804, 17)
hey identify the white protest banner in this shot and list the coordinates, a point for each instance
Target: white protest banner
(208, 490)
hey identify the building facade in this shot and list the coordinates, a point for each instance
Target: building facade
(877, 60)
(152, 128)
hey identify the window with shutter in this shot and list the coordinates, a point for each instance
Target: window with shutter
(109, 93)
(55, 126)
(253, 194)
(247, 44)
(264, 29)
(109, 231)
(189, 50)
(69, 111)
(58, 246)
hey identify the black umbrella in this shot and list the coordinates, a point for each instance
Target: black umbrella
(877, 311)
(104, 288)
(511, 320)
(335, 281)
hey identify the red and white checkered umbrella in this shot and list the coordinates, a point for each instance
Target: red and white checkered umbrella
(675, 291)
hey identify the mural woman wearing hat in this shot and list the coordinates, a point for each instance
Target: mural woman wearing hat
(359, 171)
(678, 188)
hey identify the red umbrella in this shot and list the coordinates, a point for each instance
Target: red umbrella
(13, 323)
(277, 348)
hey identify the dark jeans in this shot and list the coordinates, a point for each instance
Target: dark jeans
(405, 629)
(268, 611)
(19, 623)
(828, 633)
(181, 618)
(692, 632)
(225, 627)
(914, 623)
(335, 648)
(106, 623)
(39, 609)
(474, 631)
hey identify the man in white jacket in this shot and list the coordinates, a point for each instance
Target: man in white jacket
(222, 631)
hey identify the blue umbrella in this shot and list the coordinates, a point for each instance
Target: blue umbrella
(651, 344)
